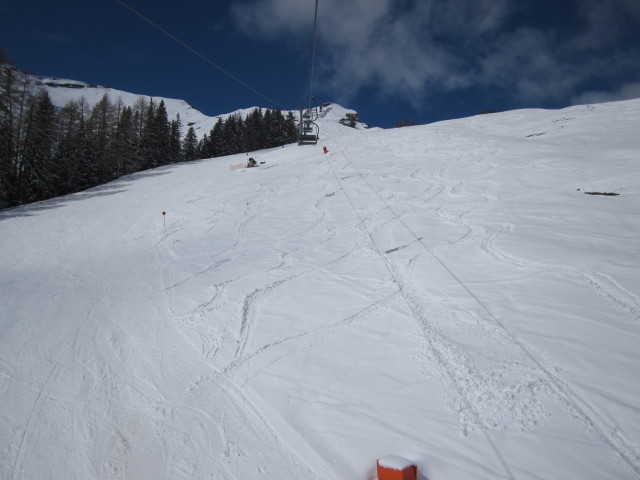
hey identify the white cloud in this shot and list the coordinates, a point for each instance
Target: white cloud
(273, 17)
(414, 49)
(626, 92)
(530, 64)
(374, 42)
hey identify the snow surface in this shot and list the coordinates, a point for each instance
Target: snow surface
(394, 462)
(446, 292)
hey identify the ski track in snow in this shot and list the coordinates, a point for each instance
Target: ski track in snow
(436, 344)
(25, 449)
(462, 375)
(250, 305)
(178, 387)
(601, 284)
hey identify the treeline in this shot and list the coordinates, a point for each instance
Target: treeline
(258, 130)
(46, 152)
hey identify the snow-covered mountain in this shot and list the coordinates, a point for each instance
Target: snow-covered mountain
(62, 91)
(448, 293)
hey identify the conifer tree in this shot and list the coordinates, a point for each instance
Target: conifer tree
(239, 145)
(85, 173)
(190, 145)
(253, 130)
(292, 128)
(277, 129)
(17, 97)
(101, 127)
(124, 143)
(160, 137)
(175, 143)
(163, 134)
(8, 180)
(204, 146)
(230, 136)
(37, 167)
(147, 136)
(267, 129)
(67, 149)
(217, 140)
(137, 135)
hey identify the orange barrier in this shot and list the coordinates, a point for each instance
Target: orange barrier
(393, 467)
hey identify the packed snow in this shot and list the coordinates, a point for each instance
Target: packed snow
(447, 293)
(394, 462)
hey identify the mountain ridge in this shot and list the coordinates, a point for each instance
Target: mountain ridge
(62, 91)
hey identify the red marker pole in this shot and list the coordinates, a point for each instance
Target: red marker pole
(164, 221)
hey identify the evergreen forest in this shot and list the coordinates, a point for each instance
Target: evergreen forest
(47, 151)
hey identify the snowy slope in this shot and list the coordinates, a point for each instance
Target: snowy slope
(62, 91)
(447, 293)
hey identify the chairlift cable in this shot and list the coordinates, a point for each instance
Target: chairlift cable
(197, 53)
(313, 55)
(309, 115)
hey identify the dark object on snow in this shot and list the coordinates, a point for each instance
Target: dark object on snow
(350, 120)
(603, 193)
(252, 163)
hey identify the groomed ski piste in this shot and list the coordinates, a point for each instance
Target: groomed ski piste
(447, 293)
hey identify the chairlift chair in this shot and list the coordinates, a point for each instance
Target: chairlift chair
(308, 129)
(309, 137)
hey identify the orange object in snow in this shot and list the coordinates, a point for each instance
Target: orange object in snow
(393, 467)
(324, 149)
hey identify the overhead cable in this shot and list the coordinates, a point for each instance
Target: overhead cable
(195, 52)
(313, 54)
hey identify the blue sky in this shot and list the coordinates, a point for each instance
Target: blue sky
(422, 60)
